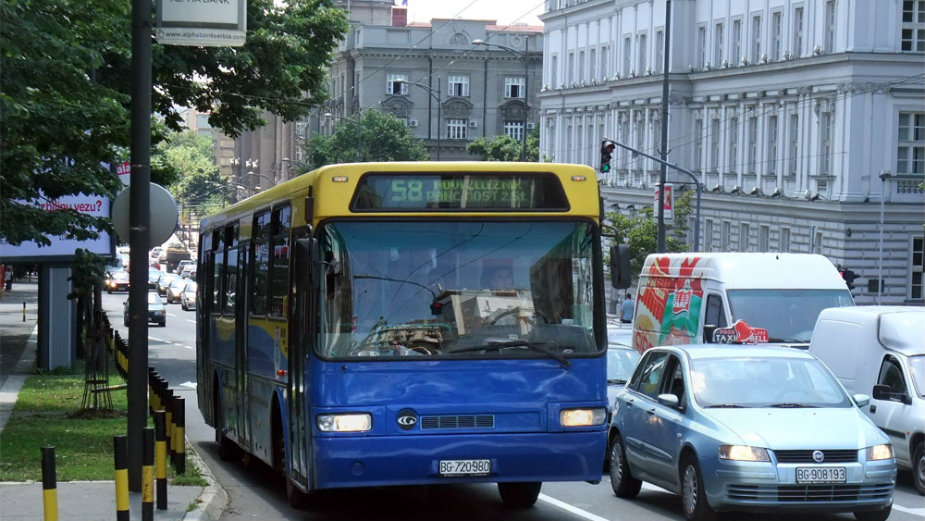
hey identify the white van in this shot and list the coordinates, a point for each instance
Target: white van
(880, 350)
(680, 293)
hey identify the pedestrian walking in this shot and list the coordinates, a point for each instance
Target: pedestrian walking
(626, 309)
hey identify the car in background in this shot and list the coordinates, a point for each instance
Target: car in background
(621, 360)
(153, 275)
(182, 265)
(157, 312)
(163, 282)
(188, 297)
(187, 270)
(116, 281)
(748, 428)
(175, 289)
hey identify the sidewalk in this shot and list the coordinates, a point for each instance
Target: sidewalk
(77, 500)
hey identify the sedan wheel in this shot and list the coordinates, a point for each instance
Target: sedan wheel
(623, 484)
(918, 467)
(693, 498)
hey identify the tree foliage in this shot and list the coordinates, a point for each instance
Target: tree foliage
(366, 136)
(505, 148)
(65, 96)
(200, 188)
(640, 231)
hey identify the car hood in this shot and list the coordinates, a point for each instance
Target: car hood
(805, 428)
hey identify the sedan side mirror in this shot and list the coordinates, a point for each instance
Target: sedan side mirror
(861, 400)
(669, 400)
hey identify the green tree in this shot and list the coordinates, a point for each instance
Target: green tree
(505, 148)
(640, 232)
(200, 188)
(367, 136)
(65, 95)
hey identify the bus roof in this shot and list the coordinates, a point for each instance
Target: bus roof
(749, 270)
(332, 188)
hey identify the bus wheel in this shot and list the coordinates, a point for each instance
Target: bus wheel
(297, 499)
(520, 495)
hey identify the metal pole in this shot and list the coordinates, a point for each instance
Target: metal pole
(139, 236)
(884, 177)
(439, 117)
(663, 172)
(523, 150)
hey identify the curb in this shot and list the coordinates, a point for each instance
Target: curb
(212, 500)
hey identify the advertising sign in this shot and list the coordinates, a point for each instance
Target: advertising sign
(62, 249)
(669, 204)
(208, 23)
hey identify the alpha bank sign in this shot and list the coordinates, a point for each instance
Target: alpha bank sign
(209, 23)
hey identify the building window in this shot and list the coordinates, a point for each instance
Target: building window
(797, 41)
(708, 236)
(396, 84)
(910, 152)
(554, 72)
(776, 35)
(514, 87)
(627, 56)
(793, 147)
(698, 144)
(825, 143)
(829, 41)
(581, 67)
(605, 72)
(918, 267)
(514, 129)
(457, 128)
(772, 144)
(785, 240)
(459, 86)
(702, 47)
(718, 44)
(592, 62)
(642, 54)
(571, 68)
(736, 41)
(715, 136)
(764, 232)
(816, 247)
(733, 144)
(725, 242)
(659, 51)
(752, 144)
(743, 236)
(756, 39)
(913, 28)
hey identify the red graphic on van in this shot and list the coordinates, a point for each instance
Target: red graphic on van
(740, 333)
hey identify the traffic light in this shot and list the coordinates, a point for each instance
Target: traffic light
(606, 154)
(848, 275)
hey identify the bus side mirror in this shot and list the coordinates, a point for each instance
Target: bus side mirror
(307, 250)
(620, 275)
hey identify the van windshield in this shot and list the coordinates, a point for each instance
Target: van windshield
(789, 315)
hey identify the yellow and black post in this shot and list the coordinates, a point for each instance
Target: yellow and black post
(160, 458)
(49, 484)
(179, 432)
(147, 475)
(168, 406)
(120, 449)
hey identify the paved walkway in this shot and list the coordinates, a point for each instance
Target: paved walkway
(77, 500)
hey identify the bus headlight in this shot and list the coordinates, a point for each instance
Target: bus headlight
(585, 417)
(344, 422)
(879, 452)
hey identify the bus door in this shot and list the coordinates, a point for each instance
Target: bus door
(300, 320)
(242, 427)
(204, 366)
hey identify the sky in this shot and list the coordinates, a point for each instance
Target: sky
(504, 11)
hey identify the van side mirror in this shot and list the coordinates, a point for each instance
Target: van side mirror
(882, 392)
(621, 275)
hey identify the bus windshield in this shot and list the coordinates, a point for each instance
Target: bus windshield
(789, 315)
(451, 289)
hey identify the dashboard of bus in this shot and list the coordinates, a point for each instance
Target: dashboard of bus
(461, 288)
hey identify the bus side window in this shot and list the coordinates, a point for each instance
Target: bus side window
(715, 316)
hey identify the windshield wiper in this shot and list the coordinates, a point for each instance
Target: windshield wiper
(618, 381)
(499, 345)
(792, 405)
(728, 406)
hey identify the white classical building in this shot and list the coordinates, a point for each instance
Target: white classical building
(804, 121)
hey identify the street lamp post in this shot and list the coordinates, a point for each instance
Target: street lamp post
(272, 181)
(523, 56)
(437, 97)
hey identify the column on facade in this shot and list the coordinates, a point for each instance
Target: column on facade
(804, 104)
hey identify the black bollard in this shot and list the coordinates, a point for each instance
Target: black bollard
(49, 484)
(147, 475)
(120, 449)
(160, 459)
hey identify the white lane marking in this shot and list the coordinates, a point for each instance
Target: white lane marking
(190, 321)
(191, 385)
(184, 346)
(914, 511)
(570, 508)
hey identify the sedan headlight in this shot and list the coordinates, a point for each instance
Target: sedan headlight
(743, 453)
(344, 422)
(879, 452)
(585, 417)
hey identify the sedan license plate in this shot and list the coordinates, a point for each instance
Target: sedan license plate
(465, 467)
(821, 474)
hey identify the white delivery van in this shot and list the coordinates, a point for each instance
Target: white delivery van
(783, 293)
(880, 350)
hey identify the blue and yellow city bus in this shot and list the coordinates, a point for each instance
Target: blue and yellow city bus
(409, 324)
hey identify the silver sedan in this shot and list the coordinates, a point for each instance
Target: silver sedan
(748, 428)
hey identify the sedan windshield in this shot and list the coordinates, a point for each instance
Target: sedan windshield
(789, 315)
(765, 382)
(457, 289)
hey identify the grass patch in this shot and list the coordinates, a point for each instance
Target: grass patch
(47, 412)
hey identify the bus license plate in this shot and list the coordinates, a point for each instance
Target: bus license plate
(465, 467)
(820, 474)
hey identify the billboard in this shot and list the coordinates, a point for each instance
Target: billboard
(61, 249)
